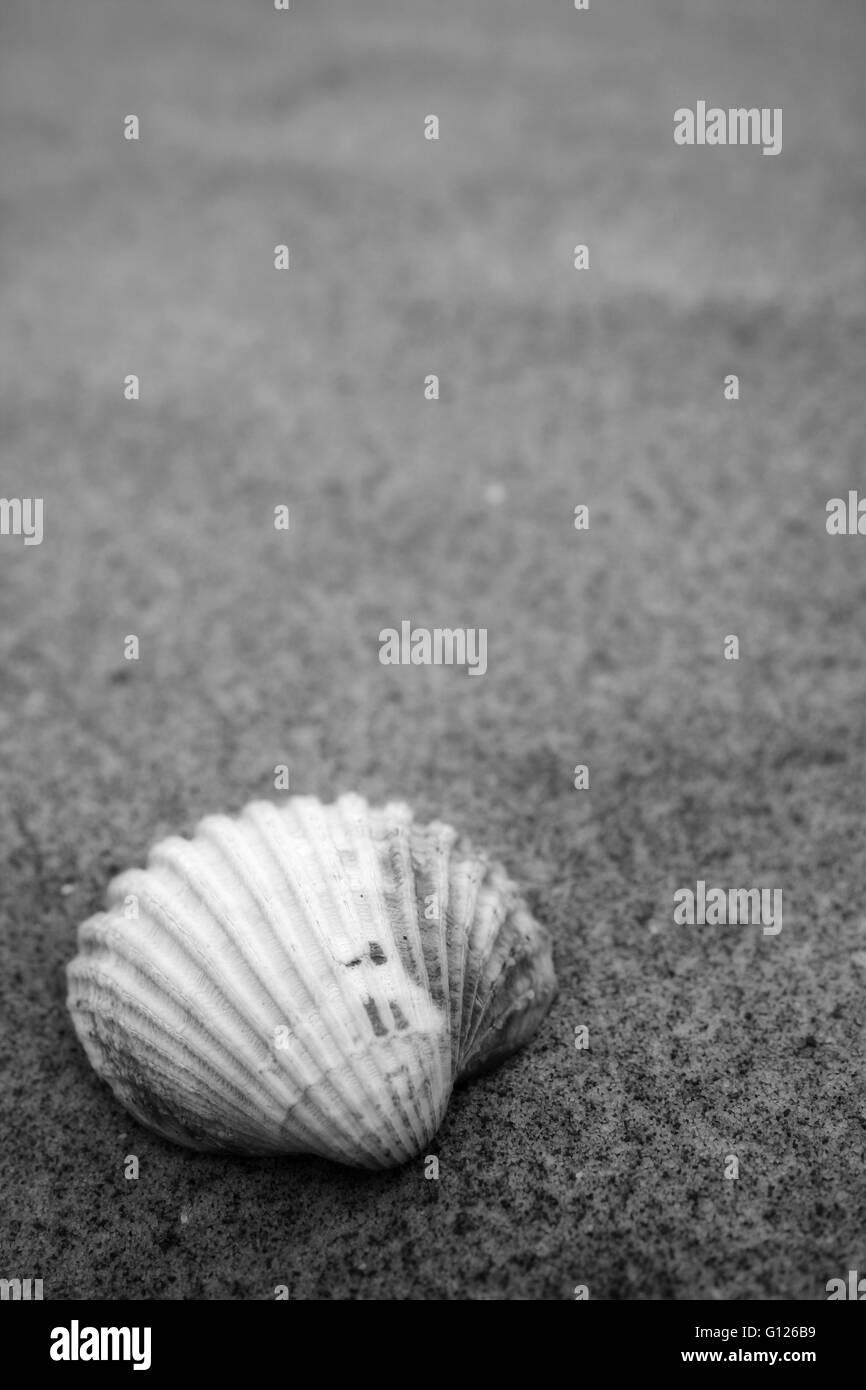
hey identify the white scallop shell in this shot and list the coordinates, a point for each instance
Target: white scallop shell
(307, 979)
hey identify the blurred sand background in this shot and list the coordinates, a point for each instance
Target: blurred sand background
(260, 648)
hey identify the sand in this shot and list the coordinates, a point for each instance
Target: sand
(604, 1167)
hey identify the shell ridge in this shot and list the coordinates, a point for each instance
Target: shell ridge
(489, 915)
(391, 839)
(271, 826)
(472, 870)
(356, 987)
(201, 946)
(270, 1086)
(431, 905)
(352, 837)
(326, 1074)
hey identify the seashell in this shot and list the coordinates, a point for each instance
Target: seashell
(307, 979)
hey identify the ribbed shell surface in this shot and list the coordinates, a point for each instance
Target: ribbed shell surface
(307, 979)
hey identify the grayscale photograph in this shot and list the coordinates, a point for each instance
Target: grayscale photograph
(433, 676)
